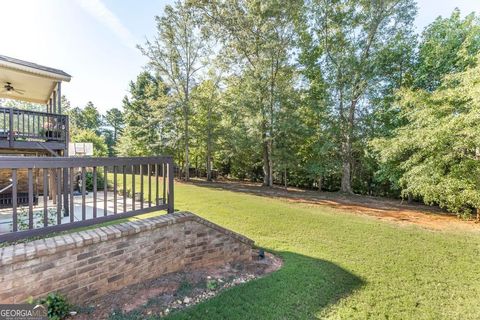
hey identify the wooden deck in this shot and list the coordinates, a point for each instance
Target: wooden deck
(32, 130)
(57, 196)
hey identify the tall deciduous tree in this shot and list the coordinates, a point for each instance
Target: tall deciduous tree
(257, 37)
(176, 53)
(207, 120)
(448, 45)
(351, 38)
(437, 150)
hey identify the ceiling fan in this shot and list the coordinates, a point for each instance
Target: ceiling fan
(8, 88)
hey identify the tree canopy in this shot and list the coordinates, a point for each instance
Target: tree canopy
(328, 94)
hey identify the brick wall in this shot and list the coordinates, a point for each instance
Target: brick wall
(86, 264)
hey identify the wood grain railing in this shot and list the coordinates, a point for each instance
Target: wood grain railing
(26, 125)
(65, 193)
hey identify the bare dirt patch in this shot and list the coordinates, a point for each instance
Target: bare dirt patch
(176, 291)
(380, 208)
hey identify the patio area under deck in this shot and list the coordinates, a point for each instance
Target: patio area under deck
(45, 191)
(6, 214)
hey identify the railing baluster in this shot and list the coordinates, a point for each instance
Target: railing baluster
(14, 200)
(23, 123)
(141, 186)
(105, 190)
(164, 191)
(133, 187)
(66, 190)
(59, 195)
(124, 183)
(72, 200)
(30, 198)
(10, 129)
(149, 186)
(94, 192)
(170, 208)
(45, 197)
(157, 192)
(114, 189)
(84, 206)
(28, 124)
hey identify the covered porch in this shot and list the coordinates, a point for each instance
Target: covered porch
(40, 129)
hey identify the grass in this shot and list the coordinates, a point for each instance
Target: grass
(339, 265)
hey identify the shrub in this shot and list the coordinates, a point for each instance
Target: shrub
(89, 181)
(57, 306)
(23, 218)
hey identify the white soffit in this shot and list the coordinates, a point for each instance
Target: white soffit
(37, 82)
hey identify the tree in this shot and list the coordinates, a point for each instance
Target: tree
(146, 130)
(91, 118)
(206, 121)
(87, 118)
(350, 39)
(448, 45)
(175, 54)
(438, 148)
(257, 38)
(114, 119)
(100, 148)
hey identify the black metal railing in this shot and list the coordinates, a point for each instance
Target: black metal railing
(26, 125)
(64, 193)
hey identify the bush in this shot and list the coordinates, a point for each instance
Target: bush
(57, 306)
(89, 181)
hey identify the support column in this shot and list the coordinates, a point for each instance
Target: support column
(65, 127)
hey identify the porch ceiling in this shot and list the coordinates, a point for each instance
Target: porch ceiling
(37, 82)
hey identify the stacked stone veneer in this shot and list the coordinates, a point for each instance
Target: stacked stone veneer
(87, 264)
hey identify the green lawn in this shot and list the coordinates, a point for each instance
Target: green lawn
(339, 265)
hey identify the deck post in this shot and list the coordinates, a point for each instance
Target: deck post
(66, 188)
(170, 208)
(10, 128)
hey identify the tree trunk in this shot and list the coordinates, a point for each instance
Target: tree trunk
(285, 177)
(347, 149)
(319, 183)
(267, 170)
(209, 147)
(209, 168)
(270, 163)
(266, 162)
(346, 167)
(410, 197)
(187, 165)
(209, 161)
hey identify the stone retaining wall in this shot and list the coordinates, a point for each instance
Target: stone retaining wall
(87, 264)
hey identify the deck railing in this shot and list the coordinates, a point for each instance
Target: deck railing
(64, 193)
(26, 125)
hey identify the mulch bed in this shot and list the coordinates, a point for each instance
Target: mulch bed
(173, 292)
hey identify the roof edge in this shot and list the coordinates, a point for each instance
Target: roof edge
(59, 76)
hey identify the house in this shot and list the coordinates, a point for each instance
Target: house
(39, 197)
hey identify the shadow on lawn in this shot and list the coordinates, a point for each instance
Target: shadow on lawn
(301, 289)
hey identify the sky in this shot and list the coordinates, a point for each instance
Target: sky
(95, 40)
